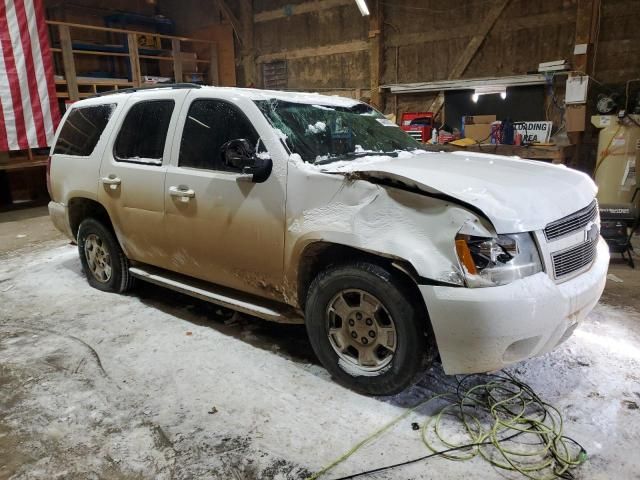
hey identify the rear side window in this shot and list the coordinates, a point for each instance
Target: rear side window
(82, 130)
(143, 132)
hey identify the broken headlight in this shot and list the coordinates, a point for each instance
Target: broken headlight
(489, 262)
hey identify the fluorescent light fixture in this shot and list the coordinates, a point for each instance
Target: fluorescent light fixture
(489, 90)
(362, 5)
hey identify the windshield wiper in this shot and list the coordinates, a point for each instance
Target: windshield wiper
(352, 156)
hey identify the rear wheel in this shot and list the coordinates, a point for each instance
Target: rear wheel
(103, 261)
(365, 329)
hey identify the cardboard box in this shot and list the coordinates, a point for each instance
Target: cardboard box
(478, 127)
(478, 119)
(480, 133)
(576, 118)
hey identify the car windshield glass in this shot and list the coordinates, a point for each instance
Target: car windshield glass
(326, 133)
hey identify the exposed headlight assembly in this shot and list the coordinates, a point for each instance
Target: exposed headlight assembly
(489, 262)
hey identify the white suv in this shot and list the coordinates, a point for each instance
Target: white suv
(308, 208)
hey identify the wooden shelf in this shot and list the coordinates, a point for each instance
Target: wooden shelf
(553, 153)
(72, 82)
(35, 161)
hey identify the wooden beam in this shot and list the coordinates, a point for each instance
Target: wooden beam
(248, 51)
(464, 60)
(134, 60)
(477, 40)
(231, 17)
(68, 62)
(214, 76)
(586, 25)
(376, 51)
(300, 9)
(177, 60)
(339, 48)
(83, 26)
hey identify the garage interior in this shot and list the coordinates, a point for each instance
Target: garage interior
(157, 384)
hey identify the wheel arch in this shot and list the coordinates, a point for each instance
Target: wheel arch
(319, 255)
(81, 208)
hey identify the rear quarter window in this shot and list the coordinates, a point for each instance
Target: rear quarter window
(82, 130)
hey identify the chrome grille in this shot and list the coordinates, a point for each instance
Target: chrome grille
(572, 223)
(573, 259)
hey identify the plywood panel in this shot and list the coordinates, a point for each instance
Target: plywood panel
(223, 36)
(330, 72)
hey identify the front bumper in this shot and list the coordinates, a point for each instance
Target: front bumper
(486, 329)
(59, 215)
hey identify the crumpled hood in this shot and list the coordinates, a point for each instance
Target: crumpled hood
(516, 195)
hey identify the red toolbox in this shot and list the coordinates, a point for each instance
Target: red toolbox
(418, 125)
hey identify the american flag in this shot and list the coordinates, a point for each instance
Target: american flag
(29, 111)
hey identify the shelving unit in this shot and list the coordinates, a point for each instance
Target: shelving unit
(73, 87)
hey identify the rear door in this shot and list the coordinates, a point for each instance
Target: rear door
(132, 173)
(223, 229)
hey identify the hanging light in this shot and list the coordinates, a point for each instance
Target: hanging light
(489, 90)
(362, 5)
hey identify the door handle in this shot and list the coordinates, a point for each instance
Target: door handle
(184, 193)
(112, 181)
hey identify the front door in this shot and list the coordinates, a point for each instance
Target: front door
(132, 174)
(222, 229)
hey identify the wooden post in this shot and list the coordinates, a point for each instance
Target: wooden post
(177, 60)
(68, 63)
(134, 59)
(248, 51)
(214, 78)
(376, 51)
(244, 30)
(586, 24)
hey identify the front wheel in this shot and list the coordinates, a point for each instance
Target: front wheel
(365, 329)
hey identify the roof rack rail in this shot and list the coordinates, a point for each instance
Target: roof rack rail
(148, 87)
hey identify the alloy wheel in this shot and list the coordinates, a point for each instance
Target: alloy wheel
(98, 258)
(361, 331)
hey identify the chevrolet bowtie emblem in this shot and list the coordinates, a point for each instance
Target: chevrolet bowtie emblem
(592, 233)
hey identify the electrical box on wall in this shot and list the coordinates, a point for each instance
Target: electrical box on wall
(577, 89)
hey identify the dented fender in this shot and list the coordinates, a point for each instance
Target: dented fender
(380, 219)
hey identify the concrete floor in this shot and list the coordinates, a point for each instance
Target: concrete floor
(157, 385)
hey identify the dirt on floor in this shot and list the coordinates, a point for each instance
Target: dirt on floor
(26, 228)
(154, 384)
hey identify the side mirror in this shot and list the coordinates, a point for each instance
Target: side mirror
(241, 155)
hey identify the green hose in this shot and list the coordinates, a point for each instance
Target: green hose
(505, 423)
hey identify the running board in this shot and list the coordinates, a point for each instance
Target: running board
(241, 302)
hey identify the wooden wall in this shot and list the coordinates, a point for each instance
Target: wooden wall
(326, 47)
(326, 43)
(427, 43)
(617, 57)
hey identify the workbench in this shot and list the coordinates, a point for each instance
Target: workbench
(549, 153)
(22, 178)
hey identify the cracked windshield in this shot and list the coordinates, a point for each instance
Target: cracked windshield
(322, 134)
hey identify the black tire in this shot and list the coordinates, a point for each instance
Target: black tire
(119, 280)
(412, 346)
